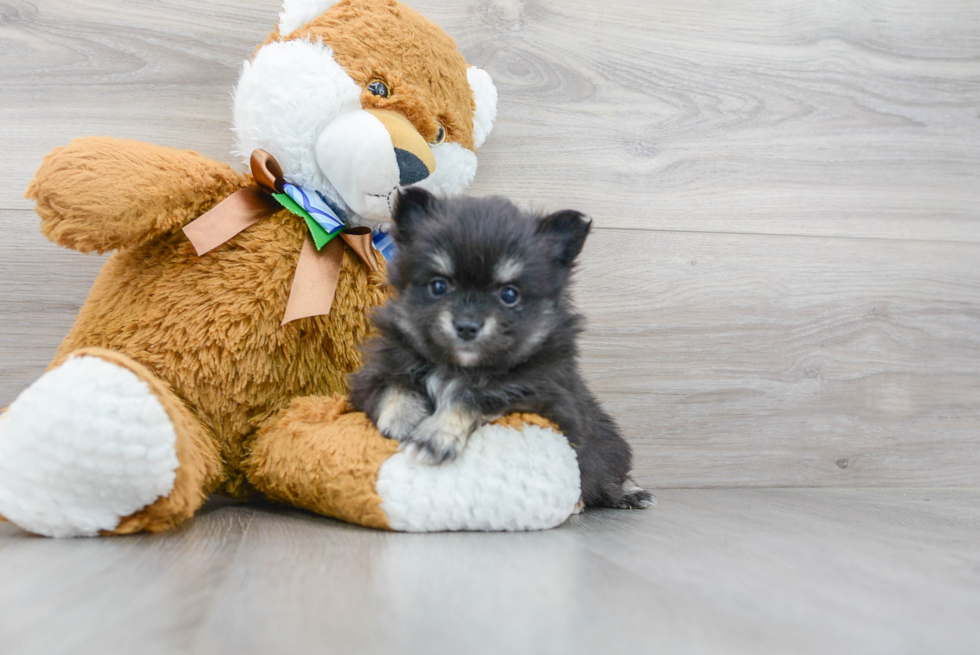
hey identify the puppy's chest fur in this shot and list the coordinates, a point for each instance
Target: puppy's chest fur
(492, 395)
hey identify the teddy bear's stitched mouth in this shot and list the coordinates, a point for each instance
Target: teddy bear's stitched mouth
(386, 196)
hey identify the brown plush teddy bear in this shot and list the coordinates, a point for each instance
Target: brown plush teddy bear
(210, 352)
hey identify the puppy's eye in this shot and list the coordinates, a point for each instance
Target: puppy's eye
(440, 136)
(510, 296)
(379, 88)
(438, 287)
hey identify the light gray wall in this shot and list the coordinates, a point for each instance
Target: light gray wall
(783, 287)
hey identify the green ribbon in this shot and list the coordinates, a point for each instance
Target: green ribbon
(319, 235)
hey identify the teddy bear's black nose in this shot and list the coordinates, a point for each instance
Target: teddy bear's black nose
(467, 328)
(411, 169)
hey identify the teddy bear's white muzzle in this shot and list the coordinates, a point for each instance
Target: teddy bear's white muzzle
(367, 155)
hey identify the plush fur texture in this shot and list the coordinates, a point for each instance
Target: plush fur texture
(207, 327)
(485, 99)
(285, 97)
(200, 470)
(86, 445)
(507, 478)
(482, 325)
(307, 78)
(389, 41)
(324, 458)
(295, 13)
(201, 336)
(368, 183)
(450, 157)
(99, 194)
(517, 474)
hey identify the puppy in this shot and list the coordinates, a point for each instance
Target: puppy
(482, 326)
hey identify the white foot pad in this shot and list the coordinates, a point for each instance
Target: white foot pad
(505, 479)
(85, 445)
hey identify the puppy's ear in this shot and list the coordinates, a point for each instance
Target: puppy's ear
(569, 228)
(413, 205)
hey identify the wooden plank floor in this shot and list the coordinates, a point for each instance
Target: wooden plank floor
(782, 291)
(706, 571)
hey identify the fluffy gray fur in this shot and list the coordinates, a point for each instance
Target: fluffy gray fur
(482, 325)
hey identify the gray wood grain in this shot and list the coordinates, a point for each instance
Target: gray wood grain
(744, 360)
(781, 117)
(701, 138)
(706, 571)
(783, 291)
(728, 359)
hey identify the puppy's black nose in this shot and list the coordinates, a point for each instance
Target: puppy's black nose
(466, 328)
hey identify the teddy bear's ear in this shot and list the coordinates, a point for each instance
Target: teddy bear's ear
(485, 95)
(296, 13)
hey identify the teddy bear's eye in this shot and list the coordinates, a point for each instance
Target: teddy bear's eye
(440, 136)
(379, 88)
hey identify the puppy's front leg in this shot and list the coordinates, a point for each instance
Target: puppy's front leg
(398, 412)
(440, 438)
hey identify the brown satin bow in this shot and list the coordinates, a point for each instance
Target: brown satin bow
(317, 272)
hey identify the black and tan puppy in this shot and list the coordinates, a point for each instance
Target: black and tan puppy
(482, 326)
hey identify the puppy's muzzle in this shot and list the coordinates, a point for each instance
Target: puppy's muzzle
(467, 328)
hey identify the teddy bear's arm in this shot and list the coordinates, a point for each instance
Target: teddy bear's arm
(98, 194)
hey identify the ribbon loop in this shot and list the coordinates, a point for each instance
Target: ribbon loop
(266, 171)
(232, 215)
(359, 240)
(317, 272)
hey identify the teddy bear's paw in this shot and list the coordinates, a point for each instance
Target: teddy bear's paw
(504, 479)
(86, 444)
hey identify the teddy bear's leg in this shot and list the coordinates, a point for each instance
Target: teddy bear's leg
(318, 455)
(515, 474)
(99, 445)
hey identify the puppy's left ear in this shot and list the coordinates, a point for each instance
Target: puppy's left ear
(414, 205)
(570, 228)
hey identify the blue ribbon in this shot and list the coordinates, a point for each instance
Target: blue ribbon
(329, 217)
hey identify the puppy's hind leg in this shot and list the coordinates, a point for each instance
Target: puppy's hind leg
(634, 496)
(605, 461)
(601, 486)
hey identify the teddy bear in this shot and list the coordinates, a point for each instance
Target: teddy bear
(212, 353)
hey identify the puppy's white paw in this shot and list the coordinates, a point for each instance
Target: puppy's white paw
(85, 445)
(399, 412)
(439, 438)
